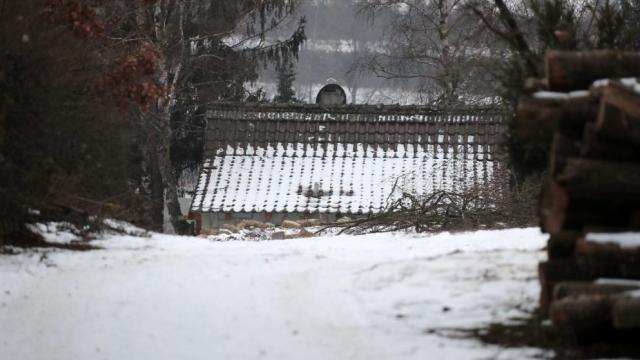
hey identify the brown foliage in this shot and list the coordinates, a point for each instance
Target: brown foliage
(76, 15)
(133, 79)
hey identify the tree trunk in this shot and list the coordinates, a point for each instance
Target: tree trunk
(518, 40)
(157, 192)
(170, 192)
(171, 70)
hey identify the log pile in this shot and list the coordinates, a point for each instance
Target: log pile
(588, 112)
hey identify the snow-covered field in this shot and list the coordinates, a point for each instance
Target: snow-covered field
(383, 296)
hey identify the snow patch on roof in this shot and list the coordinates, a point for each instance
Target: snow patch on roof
(335, 178)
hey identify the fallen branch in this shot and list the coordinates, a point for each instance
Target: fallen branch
(436, 211)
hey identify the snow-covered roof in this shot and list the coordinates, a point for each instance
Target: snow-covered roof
(325, 162)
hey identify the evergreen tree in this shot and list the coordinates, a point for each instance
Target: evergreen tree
(286, 77)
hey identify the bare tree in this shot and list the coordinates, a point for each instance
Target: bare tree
(428, 42)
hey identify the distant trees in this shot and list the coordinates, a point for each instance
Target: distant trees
(429, 42)
(528, 28)
(476, 51)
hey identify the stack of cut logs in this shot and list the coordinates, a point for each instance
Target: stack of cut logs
(588, 110)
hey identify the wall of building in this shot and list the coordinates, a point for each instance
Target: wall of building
(215, 220)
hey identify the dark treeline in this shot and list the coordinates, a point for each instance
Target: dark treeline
(101, 102)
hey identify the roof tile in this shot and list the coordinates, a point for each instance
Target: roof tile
(340, 163)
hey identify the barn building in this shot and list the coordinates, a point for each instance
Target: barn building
(276, 162)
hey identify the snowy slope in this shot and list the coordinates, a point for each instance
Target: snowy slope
(341, 297)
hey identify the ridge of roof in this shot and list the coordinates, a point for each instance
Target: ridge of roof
(351, 109)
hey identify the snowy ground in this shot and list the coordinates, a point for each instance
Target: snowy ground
(391, 296)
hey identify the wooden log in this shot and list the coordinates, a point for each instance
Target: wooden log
(553, 272)
(539, 118)
(596, 146)
(574, 289)
(602, 215)
(576, 70)
(626, 312)
(586, 318)
(623, 246)
(554, 201)
(600, 179)
(619, 115)
(609, 259)
(560, 211)
(589, 137)
(623, 98)
(562, 148)
(561, 244)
